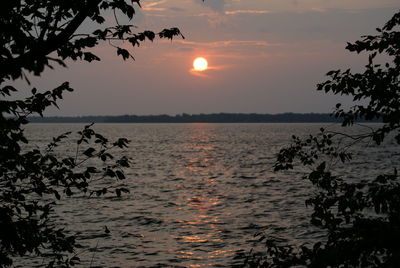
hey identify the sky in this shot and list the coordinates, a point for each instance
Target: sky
(264, 56)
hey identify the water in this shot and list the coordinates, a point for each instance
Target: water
(199, 193)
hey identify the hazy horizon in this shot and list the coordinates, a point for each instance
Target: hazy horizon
(178, 114)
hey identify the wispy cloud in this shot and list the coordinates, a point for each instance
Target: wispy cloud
(209, 71)
(154, 8)
(199, 74)
(155, 3)
(247, 11)
(228, 49)
(227, 43)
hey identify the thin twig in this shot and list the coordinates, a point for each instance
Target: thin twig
(91, 261)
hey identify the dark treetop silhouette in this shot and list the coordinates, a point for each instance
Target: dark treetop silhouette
(193, 118)
(361, 216)
(36, 34)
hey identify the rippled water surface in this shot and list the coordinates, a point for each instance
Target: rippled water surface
(198, 193)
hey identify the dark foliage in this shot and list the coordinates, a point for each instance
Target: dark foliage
(34, 35)
(361, 216)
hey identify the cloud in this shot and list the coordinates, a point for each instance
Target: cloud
(227, 49)
(152, 4)
(197, 73)
(226, 43)
(247, 11)
(154, 9)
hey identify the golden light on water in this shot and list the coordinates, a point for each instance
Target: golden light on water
(200, 64)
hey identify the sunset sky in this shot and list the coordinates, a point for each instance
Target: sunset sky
(264, 56)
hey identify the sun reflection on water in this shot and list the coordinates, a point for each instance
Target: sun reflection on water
(201, 223)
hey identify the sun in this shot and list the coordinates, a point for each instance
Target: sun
(200, 64)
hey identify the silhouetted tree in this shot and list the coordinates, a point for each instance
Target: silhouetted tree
(361, 216)
(34, 35)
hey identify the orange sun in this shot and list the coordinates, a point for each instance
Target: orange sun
(200, 64)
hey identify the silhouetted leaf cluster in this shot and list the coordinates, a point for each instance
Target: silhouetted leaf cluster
(378, 84)
(29, 177)
(34, 35)
(361, 216)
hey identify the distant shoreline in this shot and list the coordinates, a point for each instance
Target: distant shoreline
(196, 118)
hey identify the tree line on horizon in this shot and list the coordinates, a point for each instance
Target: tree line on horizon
(196, 118)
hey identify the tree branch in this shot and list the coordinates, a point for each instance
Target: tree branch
(12, 67)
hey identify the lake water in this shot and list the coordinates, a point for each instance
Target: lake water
(198, 194)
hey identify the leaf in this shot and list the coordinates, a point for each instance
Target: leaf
(123, 52)
(170, 33)
(57, 195)
(150, 35)
(89, 57)
(68, 191)
(89, 152)
(120, 175)
(137, 2)
(321, 167)
(110, 173)
(130, 11)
